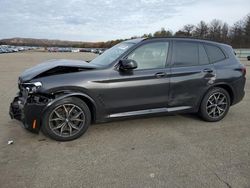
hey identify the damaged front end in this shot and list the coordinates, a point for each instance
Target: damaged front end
(31, 101)
(28, 106)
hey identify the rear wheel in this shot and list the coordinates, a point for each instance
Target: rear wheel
(215, 105)
(66, 119)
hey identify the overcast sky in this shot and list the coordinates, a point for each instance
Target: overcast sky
(101, 20)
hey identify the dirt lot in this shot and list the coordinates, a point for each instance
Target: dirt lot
(169, 151)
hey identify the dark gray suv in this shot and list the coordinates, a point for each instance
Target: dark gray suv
(134, 78)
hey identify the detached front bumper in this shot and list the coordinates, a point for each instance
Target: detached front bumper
(29, 113)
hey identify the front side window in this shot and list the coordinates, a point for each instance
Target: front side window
(214, 53)
(150, 56)
(185, 54)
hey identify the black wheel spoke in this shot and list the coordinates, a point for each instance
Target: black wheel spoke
(221, 109)
(70, 129)
(66, 111)
(76, 119)
(62, 129)
(59, 126)
(77, 115)
(73, 126)
(57, 119)
(58, 115)
(71, 110)
(223, 103)
(212, 111)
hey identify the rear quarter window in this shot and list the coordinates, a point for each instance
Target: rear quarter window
(214, 53)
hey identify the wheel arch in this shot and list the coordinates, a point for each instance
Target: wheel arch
(90, 102)
(229, 89)
(225, 86)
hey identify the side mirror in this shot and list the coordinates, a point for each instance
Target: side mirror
(128, 64)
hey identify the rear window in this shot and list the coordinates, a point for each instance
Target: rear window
(185, 54)
(214, 53)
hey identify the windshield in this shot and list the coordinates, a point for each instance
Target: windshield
(112, 54)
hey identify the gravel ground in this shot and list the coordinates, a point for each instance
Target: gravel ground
(166, 151)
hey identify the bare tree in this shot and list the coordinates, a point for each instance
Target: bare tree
(215, 30)
(163, 33)
(201, 30)
(188, 29)
(224, 33)
(237, 34)
(180, 33)
(247, 30)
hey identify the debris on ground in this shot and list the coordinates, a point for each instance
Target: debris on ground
(10, 142)
(152, 175)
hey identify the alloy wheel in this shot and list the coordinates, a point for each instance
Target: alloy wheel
(216, 105)
(66, 120)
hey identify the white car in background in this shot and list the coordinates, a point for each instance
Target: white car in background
(75, 50)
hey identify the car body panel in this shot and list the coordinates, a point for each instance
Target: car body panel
(113, 93)
(188, 83)
(43, 67)
(137, 90)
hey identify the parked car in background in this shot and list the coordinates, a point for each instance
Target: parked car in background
(12, 49)
(20, 48)
(75, 50)
(94, 51)
(53, 49)
(8, 49)
(85, 50)
(100, 51)
(15, 49)
(134, 78)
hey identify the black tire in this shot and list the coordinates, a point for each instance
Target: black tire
(207, 107)
(78, 107)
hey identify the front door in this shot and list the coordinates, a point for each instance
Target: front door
(145, 87)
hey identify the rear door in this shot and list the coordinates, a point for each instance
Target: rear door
(191, 73)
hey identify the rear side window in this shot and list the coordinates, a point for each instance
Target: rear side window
(185, 54)
(214, 53)
(203, 59)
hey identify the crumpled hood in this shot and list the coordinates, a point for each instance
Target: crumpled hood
(51, 64)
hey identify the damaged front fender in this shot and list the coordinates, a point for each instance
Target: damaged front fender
(54, 67)
(31, 111)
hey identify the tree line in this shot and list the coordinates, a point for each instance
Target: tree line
(237, 35)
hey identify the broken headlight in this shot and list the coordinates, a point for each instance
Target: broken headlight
(31, 87)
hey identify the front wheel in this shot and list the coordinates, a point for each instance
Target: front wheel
(66, 119)
(215, 105)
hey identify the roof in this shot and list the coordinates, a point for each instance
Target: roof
(188, 39)
(135, 41)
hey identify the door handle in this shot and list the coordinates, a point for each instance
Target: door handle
(208, 70)
(160, 74)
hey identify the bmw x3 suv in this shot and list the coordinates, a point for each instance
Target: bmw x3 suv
(134, 78)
